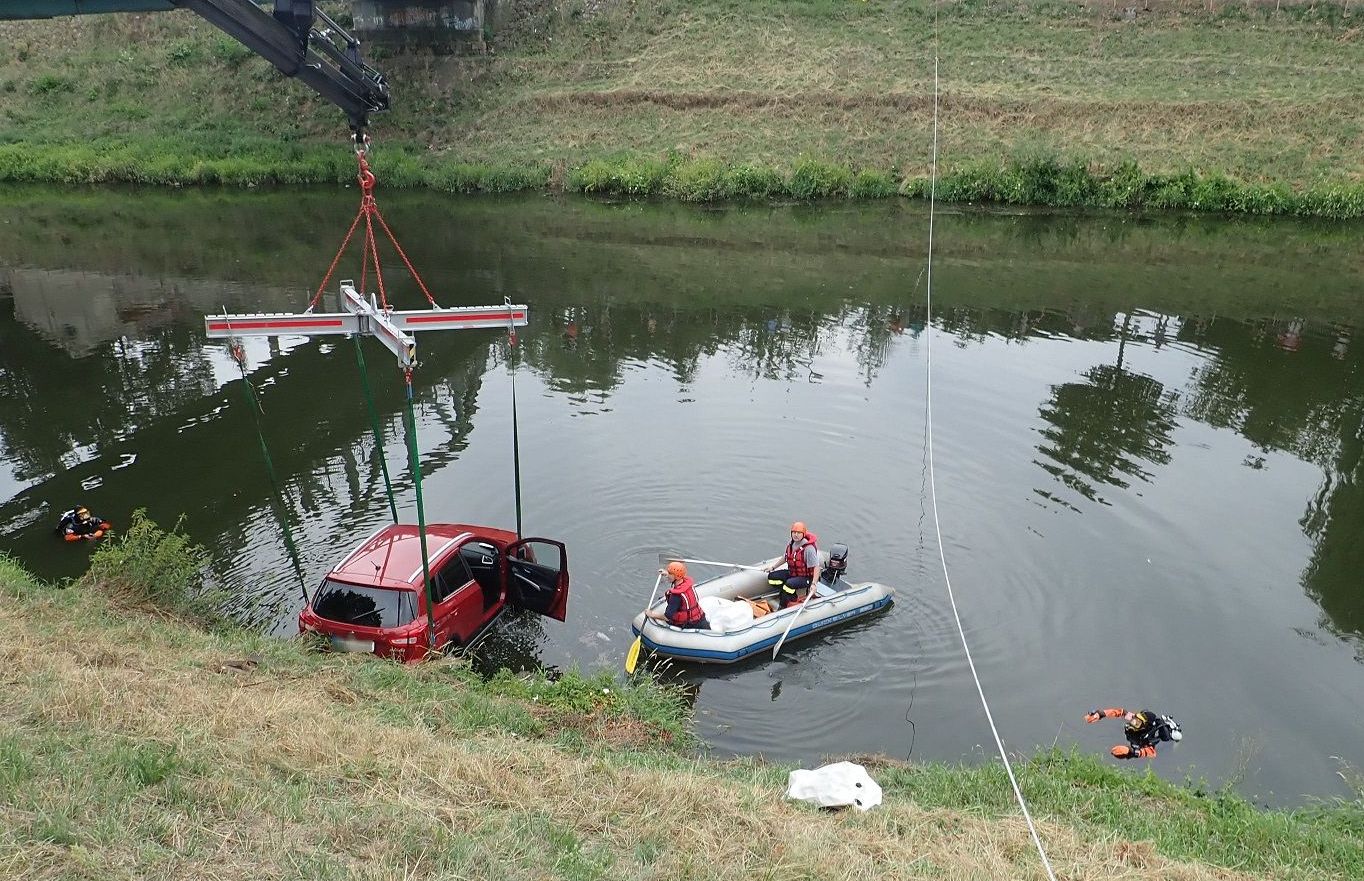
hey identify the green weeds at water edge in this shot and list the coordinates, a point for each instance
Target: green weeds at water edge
(1039, 180)
(146, 565)
(13, 577)
(250, 163)
(1043, 181)
(572, 707)
(1190, 822)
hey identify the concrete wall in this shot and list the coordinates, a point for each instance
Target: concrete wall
(423, 19)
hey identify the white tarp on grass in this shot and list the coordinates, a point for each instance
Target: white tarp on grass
(835, 786)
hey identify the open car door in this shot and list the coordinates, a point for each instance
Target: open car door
(535, 575)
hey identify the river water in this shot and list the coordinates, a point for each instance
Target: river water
(1148, 437)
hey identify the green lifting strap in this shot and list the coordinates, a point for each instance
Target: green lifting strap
(378, 430)
(281, 509)
(516, 435)
(411, 426)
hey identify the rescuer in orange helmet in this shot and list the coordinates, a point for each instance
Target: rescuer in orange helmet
(797, 576)
(683, 608)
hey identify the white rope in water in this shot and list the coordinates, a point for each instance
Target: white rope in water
(932, 483)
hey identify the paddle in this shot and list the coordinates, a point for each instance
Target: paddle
(809, 598)
(632, 656)
(717, 563)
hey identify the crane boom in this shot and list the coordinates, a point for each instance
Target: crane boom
(299, 39)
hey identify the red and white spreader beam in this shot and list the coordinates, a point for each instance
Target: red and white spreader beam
(361, 315)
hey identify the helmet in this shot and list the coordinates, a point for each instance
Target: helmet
(677, 570)
(82, 512)
(798, 526)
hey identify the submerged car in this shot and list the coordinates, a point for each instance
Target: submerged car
(375, 599)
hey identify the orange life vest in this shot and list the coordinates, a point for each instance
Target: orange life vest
(689, 610)
(795, 557)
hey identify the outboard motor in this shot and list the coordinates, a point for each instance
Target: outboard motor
(837, 567)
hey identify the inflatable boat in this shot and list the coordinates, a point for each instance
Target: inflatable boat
(836, 602)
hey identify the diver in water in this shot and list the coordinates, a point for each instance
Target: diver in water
(79, 523)
(1144, 729)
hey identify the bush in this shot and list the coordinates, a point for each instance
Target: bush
(149, 566)
(465, 177)
(229, 51)
(182, 53)
(1125, 187)
(1044, 180)
(870, 184)
(622, 176)
(751, 181)
(640, 176)
(51, 84)
(819, 180)
(1172, 191)
(14, 577)
(1256, 199)
(514, 178)
(1074, 185)
(701, 180)
(592, 177)
(1213, 192)
(914, 187)
(1336, 202)
(973, 183)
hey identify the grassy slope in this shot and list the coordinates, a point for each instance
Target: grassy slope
(770, 81)
(134, 746)
(758, 85)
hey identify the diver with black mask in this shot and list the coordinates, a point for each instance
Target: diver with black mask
(1144, 729)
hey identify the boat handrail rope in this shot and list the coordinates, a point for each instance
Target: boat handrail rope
(932, 484)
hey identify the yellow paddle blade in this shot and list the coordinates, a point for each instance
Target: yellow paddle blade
(632, 656)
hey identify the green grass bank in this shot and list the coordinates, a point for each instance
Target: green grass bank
(1220, 105)
(137, 743)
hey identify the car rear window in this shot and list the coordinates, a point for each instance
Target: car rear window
(365, 606)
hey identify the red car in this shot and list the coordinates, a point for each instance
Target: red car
(374, 600)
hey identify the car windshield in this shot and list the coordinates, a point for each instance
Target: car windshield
(365, 606)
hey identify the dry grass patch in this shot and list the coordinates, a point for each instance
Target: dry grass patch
(123, 759)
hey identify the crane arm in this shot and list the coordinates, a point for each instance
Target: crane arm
(299, 39)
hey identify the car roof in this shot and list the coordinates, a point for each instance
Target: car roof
(392, 557)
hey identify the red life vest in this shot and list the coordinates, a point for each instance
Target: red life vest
(689, 611)
(795, 557)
